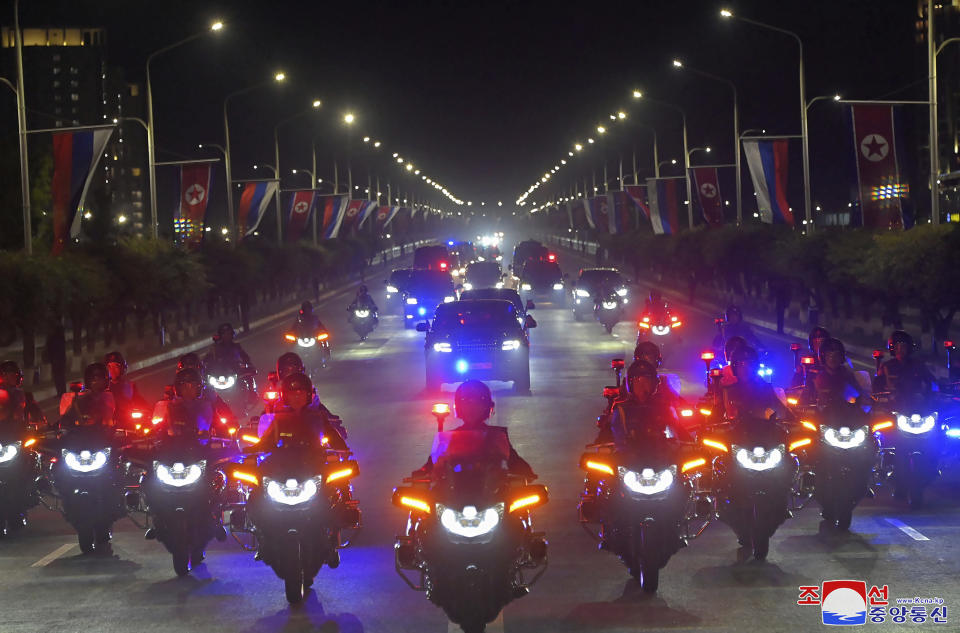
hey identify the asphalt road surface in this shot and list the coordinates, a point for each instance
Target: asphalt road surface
(377, 387)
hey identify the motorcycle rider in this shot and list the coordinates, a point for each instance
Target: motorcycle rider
(834, 381)
(125, 394)
(191, 407)
(654, 303)
(649, 352)
(802, 373)
(735, 326)
(750, 396)
(473, 405)
(288, 364)
(903, 375)
(641, 413)
(93, 405)
(363, 301)
(226, 349)
(18, 406)
(294, 416)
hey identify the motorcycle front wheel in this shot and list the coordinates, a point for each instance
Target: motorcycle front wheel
(648, 577)
(293, 583)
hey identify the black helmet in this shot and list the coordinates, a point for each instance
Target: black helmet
(899, 337)
(732, 344)
(732, 309)
(306, 308)
(296, 382)
(472, 396)
(289, 364)
(362, 290)
(744, 354)
(817, 333)
(115, 357)
(11, 367)
(95, 371)
(187, 375)
(831, 345)
(639, 369)
(647, 349)
(223, 328)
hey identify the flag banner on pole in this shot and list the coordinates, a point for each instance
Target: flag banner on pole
(331, 209)
(622, 215)
(707, 183)
(769, 165)
(385, 215)
(253, 202)
(75, 158)
(368, 208)
(301, 204)
(194, 197)
(666, 198)
(883, 192)
(352, 215)
(638, 194)
(597, 214)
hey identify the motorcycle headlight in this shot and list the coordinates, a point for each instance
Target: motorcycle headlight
(622, 292)
(392, 290)
(222, 382)
(9, 451)
(660, 330)
(85, 461)
(759, 458)
(510, 345)
(361, 314)
(526, 287)
(448, 299)
(470, 523)
(178, 474)
(411, 301)
(292, 492)
(558, 286)
(307, 342)
(647, 481)
(844, 437)
(442, 347)
(609, 305)
(582, 293)
(916, 424)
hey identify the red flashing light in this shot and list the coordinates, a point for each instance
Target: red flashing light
(716, 372)
(877, 353)
(611, 392)
(551, 257)
(794, 346)
(948, 344)
(617, 363)
(707, 356)
(808, 360)
(271, 395)
(443, 265)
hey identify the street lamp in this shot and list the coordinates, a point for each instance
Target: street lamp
(315, 105)
(151, 143)
(736, 127)
(808, 212)
(697, 149)
(686, 151)
(672, 161)
(277, 78)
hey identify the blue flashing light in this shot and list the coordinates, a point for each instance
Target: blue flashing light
(764, 371)
(421, 311)
(953, 432)
(449, 242)
(462, 366)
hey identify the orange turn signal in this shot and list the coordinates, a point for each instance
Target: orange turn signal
(415, 504)
(792, 401)
(339, 474)
(715, 444)
(524, 502)
(800, 444)
(323, 337)
(694, 463)
(247, 477)
(676, 324)
(644, 325)
(809, 425)
(29, 443)
(879, 426)
(253, 439)
(706, 412)
(290, 337)
(600, 467)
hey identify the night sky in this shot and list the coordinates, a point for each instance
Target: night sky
(485, 96)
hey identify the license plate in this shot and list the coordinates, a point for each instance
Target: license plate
(481, 365)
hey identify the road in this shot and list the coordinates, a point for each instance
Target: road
(377, 386)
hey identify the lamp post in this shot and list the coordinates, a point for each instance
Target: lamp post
(277, 78)
(349, 119)
(697, 149)
(276, 152)
(808, 210)
(672, 161)
(686, 153)
(151, 143)
(809, 190)
(22, 134)
(934, 123)
(736, 127)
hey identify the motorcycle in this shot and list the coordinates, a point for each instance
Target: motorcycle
(469, 535)
(19, 470)
(644, 500)
(298, 500)
(658, 323)
(310, 340)
(235, 385)
(88, 479)
(843, 458)
(753, 477)
(608, 310)
(364, 322)
(912, 444)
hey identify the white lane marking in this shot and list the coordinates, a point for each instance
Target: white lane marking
(494, 627)
(906, 529)
(54, 555)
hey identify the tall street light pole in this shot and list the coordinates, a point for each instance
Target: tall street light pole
(807, 110)
(805, 137)
(279, 77)
(22, 132)
(934, 121)
(276, 152)
(686, 151)
(349, 118)
(151, 142)
(736, 128)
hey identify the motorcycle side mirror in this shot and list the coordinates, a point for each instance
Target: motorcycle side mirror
(423, 327)
(530, 304)
(529, 322)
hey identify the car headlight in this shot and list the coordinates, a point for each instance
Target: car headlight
(844, 437)
(467, 285)
(916, 424)
(392, 290)
(609, 305)
(558, 286)
(758, 458)
(647, 481)
(499, 285)
(86, 461)
(178, 474)
(510, 345)
(361, 314)
(442, 347)
(222, 382)
(622, 292)
(411, 301)
(526, 287)
(448, 299)
(470, 523)
(292, 492)
(455, 272)
(660, 330)
(307, 342)
(9, 451)
(582, 293)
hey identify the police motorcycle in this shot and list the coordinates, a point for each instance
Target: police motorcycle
(235, 384)
(312, 343)
(608, 309)
(296, 499)
(469, 536)
(19, 477)
(364, 321)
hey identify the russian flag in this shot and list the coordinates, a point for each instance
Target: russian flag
(665, 200)
(366, 210)
(332, 209)
(253, 201)
(75, 158)
(768, 162)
